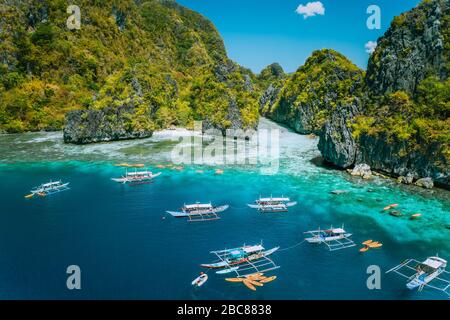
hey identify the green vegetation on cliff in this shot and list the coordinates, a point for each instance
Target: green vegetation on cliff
(311, 94)
(416, 46)
(270, 82)
(167, 61)
(410, 95)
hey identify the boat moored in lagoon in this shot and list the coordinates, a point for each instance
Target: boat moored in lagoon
(49, 188)
(137, 177)
(199, 212)
(243, 261)
(273, 204)
(421, 274)
(333, 238)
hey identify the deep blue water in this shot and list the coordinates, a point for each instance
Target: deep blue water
(127, 248)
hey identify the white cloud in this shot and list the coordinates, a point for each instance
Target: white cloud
(370, 46)
(311, 9)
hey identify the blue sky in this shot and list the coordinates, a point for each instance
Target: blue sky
(259, 32)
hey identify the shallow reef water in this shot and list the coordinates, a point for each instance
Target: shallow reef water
(128, 247)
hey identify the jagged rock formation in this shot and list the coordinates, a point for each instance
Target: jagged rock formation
(362, 170)
(411, 50)
(271, 81)
(107, 124)
(425, 183)
(336, 143)
(403, 125)
(311, 95)
(165, 60)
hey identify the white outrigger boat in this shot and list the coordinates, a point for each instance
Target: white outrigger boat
(243, 261)
(333, 238)
(273, 204)
(49, 188)
(137, 177)
(421, 274)
(199, 212)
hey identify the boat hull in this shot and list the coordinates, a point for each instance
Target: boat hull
(224, 264)
(328, 239)
(182, 214)
(48, 191)
(131, 180)
(273, 208)
(422, 280)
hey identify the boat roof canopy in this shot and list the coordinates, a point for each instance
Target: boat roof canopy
(434, 262)
(51, 184)
(274, 199)
(138, 173)
(336, 231)
(198, 206)
(251, 249)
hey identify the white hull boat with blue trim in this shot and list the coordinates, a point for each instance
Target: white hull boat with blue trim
(422, 274)
(243, 261)
(137, 177)
(199, 212)
(49, 188)
(273, 204)
(333, 238)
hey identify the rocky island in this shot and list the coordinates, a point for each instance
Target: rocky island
(139, 66)
(132, 68)
(394, 118)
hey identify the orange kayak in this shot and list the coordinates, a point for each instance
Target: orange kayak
(416, 216)
(254, 276)
(255, 283)
(234, 279)
(269, 279)
(391, 206)
(249, 285)
(375, 245)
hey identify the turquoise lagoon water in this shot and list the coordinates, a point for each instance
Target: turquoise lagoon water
(127, 248)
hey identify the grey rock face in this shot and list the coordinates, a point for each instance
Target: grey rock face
(425, 183)
(311, 94)
(409, 51)
(248, 85)
(390, 158)
(120, 18)
(336, 141)
(109, 124)
(408, 179)
(223, 70)
(272, 79)
(268, 98)
(300, 118)
(362, 170)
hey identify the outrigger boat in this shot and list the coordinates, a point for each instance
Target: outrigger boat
(333, 238)
(49, 188)
(243, 261)
(137, 177)
(421, 274)
(199, 212)
(272, 204)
